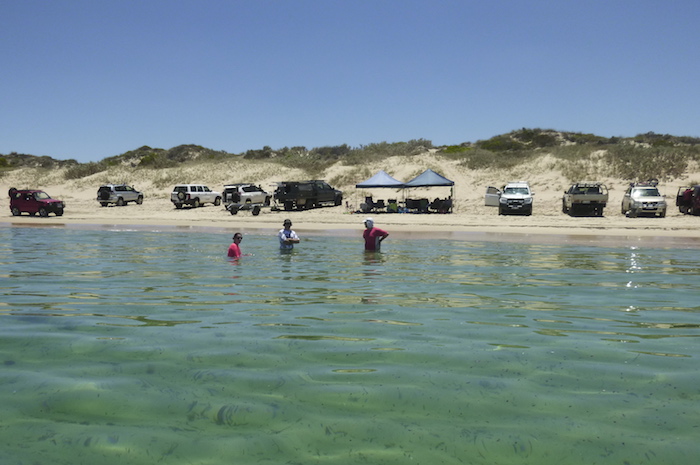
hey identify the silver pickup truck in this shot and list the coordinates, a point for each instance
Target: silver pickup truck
(585, 199)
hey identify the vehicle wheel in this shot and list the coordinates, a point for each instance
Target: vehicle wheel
(139, 201)
(104, 204)
(256, 210)
(12, 192)
(563, 208)
(500, 211)
(217, 201)
(196, 203)
(59, 212)
(43, 212)
(267, 202)
(233, 210)
(120, 202)
(178, 206)
(662, 214)
(15, 211)
(288, 206)
(181, 196)
(339, 200)
(632, 213)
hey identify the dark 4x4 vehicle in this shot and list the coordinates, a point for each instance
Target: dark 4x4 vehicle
(34, 201)
(306, 194)
(688, 200)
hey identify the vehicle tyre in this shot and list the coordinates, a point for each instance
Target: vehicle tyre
(662, 214)
(120, 202)
(104, 195)
(196, 203)
(500, 211)
(59, 212)
(339, 200)
(288, 205)
(139, 200)
(178, 206)
(233, 210)
(15, 211)
(104, 204)
(43, 212)
(256, 210)
(563, 207)
(12, 191)
(267, 202)
(217, 201)
(632, 213)
(181, 196)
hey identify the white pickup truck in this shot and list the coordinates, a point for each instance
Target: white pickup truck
(585, 199)
(515, 198)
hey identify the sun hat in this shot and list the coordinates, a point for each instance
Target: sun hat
(370, 221)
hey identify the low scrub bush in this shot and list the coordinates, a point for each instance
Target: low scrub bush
(84, 170)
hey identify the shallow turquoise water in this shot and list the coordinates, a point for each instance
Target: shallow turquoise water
(151, 347)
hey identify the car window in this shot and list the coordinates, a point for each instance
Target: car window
(180, 189)
(41, 195)
(646, 192)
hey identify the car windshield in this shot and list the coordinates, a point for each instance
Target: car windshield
(41, 195)
(646, 192)
(516, 190)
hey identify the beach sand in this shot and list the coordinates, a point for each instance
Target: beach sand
(471, 219)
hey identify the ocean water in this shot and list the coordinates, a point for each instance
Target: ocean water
(146, 347)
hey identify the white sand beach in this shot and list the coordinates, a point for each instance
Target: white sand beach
(471, 219)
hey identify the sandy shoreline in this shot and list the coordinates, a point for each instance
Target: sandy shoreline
(676, 230)
(471, 219)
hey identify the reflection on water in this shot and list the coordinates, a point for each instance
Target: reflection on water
(147, 347)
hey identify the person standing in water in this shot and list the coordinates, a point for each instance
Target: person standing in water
(287, 236)
(373, 236)
(234, 250)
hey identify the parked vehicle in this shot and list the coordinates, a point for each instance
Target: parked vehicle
(119, 194)
(688, 200)
(515, 198)
(585, 198)
(194, 195)
(34, 201)
(643, 198)
(303, 195)
(246, 193)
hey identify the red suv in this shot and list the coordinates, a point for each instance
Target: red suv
(34, 201)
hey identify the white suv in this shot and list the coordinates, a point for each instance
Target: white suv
(120, 194)
(246, 193)
(194, 194)
(643, 198)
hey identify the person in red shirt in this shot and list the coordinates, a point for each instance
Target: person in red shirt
(373, 236)
(234, 250)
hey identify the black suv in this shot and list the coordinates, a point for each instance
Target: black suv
(306, 194)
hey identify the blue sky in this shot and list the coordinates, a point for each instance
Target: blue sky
(89, 79)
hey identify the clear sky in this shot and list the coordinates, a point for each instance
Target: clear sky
(89, 79)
